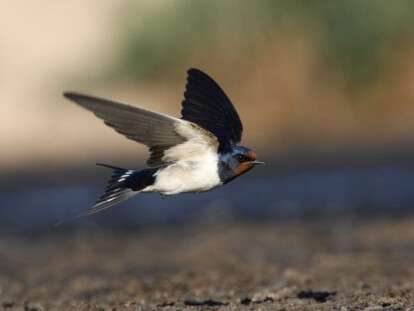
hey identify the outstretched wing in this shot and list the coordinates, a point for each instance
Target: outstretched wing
(164, 135)
(206, 104)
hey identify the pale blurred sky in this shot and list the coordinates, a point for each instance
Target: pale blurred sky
(43, 45)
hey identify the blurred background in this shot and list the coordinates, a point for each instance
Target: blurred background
(325, 90)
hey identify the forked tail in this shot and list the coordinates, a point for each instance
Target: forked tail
(119, 189)
(122, 185)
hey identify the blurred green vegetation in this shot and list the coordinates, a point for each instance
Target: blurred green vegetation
(353, 37)
(358, 36)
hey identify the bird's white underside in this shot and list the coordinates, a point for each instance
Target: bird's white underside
(194, 165)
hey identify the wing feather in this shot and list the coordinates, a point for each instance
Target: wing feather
(206, 104)
(157, 131)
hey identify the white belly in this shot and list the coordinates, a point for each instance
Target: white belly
(198, 175)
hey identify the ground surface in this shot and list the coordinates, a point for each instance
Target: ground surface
(336, 266)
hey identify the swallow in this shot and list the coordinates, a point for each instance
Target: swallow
(194, 153)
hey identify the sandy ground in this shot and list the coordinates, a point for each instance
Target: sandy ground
(336, 266)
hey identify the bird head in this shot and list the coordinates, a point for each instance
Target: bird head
(239, 161)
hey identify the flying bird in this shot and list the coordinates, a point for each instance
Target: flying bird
(195, 153)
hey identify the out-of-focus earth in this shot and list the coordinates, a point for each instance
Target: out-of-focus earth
(346, 265)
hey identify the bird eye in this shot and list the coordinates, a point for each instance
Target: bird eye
(241, 158)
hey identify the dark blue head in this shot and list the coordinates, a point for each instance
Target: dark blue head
(237, 162)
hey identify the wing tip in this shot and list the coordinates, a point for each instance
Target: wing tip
(75, 96)
(193, 70)
(69, 94)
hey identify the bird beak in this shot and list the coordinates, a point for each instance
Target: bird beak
(255, 162)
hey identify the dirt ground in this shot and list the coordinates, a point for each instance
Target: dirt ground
(326, 266)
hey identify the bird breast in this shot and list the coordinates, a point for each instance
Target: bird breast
(195, 174)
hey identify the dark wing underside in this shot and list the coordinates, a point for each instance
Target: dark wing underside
(155, 130)
(206, 104)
